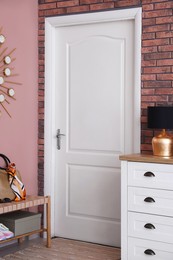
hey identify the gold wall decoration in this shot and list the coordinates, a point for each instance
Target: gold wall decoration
(7, 88)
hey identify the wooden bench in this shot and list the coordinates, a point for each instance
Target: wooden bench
(31, 201)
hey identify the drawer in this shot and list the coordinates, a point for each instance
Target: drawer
(150, 175)
(158, 202)
(140, 249)
(150, 227)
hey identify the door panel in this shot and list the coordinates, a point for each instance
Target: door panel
(94, 109)
(86, 100)
(94, 183)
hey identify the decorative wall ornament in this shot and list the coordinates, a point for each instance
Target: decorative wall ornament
(7, 91)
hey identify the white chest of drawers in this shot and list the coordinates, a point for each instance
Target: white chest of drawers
(146, 207)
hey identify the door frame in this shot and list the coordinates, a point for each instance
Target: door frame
(51, 24)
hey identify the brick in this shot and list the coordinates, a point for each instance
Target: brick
(148, 140)
(67, 3)
(41, 26)
(41, 38)
(41, 98)
(126, 3)
(47, 6)
(41, 110)
(103, 6)
(41, 93)
(150, 21)
(41, 80)
(41, 147)
(41, 56)
(41, 74)
(41, 86)
(41, 19)
(161, 20)
(149, 133)
(147, 7)
(41, 13)
(148, 77)
(159, 98)
(148, 91)
(157, 70)
(41, 116)
(41, 32)
(144, 105)
(40, 153)
(41, 44)
(164, 5)
(165, 91)
(50, 1)
(155, 84)
(149, 63)
(41, 123)
(149, 49)
(157, 56)
(165, 62)
(87, 2)
(53, 12)
(170, 99)
(164, 34)
(146, 147)
(144, 119)
(164, 12)
(165, 48)
(148, 36)
(168, 76)
(41, 135)
(78, 9)
(155, 42)
(156, 28)
(152, 1)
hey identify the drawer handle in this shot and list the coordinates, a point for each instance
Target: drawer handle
(149, 226)
(149, 252)
(149, 174)
(149, 199)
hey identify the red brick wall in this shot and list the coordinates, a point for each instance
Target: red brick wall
(157, 56)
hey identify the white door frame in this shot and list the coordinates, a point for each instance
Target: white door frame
(51, 24)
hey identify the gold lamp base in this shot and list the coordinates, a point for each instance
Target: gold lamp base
(163, 145)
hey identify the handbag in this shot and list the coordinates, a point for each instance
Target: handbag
(11, 186)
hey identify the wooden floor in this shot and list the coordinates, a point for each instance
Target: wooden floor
(63, 249)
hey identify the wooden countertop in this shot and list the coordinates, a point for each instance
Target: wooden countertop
(146, 158)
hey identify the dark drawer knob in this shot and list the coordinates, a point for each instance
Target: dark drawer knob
(149, 174)
(149, 199)
(149, 252)
(149, 226)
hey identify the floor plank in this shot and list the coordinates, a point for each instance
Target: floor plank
(64, 249)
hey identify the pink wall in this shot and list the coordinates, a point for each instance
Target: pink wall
(18, 135)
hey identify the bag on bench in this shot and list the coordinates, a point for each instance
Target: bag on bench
(11, 186)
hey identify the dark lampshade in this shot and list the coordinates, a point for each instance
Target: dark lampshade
(160, 117)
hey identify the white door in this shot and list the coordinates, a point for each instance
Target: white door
(94, 109)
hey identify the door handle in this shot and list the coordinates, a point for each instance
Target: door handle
(149, 226)
(58, 136)
(149, 174)
(149, 252)
(149, 199)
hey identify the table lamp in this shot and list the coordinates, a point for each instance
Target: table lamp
(161, 117)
